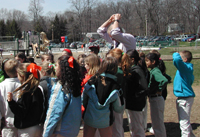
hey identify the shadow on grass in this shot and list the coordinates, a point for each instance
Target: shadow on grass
(172, 129)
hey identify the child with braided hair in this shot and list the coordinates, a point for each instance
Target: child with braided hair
(29, 109)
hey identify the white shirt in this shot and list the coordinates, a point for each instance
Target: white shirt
(8, 85)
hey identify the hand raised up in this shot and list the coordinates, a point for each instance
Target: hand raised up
(112, 18)
(117, 16)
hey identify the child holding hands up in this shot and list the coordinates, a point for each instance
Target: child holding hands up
(183, 90)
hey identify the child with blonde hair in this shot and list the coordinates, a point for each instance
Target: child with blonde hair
(29, 108)
(92, 63)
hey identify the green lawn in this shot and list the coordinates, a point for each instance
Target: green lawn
(171, 70)
(181, 46)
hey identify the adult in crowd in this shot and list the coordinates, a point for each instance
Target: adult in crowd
(112, 33)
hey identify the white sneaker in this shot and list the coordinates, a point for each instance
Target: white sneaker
(82, 126)
(151, 130)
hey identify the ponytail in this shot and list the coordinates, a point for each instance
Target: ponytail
(31, 82)
(162, 66)
(122, 58)
(125, 64)
(49, 68)
(142, 64)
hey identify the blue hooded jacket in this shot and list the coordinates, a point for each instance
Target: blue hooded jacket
(184, 77)
(100, 100)
(59, 119)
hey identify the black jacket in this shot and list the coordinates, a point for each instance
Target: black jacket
(29, 109)
(43, 84)
(135, 89)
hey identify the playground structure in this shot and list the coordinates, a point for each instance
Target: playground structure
(25, 44)
(8, 43)
(37, 47)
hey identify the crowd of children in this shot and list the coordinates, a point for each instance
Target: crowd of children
(51, 99)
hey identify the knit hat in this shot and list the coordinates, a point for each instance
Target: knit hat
(68, 51)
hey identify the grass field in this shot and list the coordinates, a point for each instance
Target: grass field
(171, 70)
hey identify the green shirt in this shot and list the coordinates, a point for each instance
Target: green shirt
(157, 81)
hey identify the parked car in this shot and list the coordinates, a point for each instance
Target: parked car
(192, 38)
(73, 45)
(79, 44)
(180, 37)
(101, 42)
(185, 39)
(76, 45)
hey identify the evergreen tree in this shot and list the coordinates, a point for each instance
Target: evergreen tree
(56, 29)
(2, 28)
(38, 27)
(12, 29)
(8, 28)
(70, 29)
(62, 27)
(59, 28)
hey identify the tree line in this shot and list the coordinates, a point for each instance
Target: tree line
(139, 17)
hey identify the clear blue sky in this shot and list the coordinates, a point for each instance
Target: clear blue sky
(48, 5)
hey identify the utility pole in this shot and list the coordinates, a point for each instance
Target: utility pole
(146, 25)
(52, 31)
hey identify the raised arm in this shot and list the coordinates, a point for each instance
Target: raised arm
(108, 22)
(179, 64)
(117, 17)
